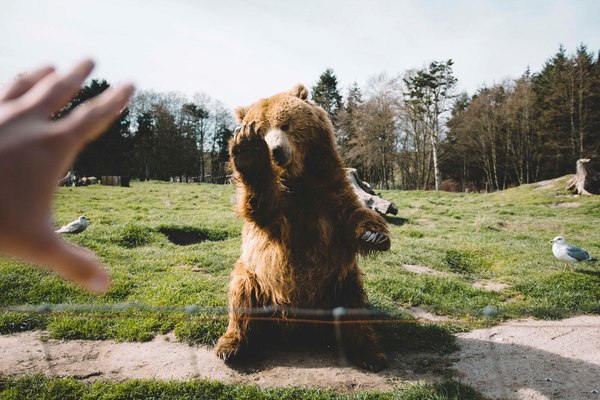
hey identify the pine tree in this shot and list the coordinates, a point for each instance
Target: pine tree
(144, 146)
(109, 154)
(347, 123)
(325, 93)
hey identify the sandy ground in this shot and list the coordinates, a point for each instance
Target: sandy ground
(523, 359)
(164, 358)
(529, 359)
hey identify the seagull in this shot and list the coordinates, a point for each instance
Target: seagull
(76, 226)
(568, 253)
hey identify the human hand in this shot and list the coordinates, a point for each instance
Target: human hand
(34, 154)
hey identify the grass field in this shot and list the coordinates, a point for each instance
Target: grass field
(173, 245)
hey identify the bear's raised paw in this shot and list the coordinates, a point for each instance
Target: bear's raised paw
(249, 150)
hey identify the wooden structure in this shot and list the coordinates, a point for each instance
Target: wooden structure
(122, 181)
(586, 179)
(368, 196)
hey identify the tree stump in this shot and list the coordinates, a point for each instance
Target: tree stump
(586, 179)
(368, 196)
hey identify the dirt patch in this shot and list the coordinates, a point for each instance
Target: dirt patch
(419, 269)
(568, 204)
(524, 359)
(533, 360)
(490, 286)
(548, 184)
(165, 359)
(421, 314)
(483, 284)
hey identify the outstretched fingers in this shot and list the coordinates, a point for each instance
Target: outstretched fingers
(90, 119)
(82, 267)
(71, 262)
(55, 90)
(24, 83)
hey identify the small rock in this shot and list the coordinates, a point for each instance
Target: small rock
(490, 311)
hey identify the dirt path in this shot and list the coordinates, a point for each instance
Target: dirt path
(164, 358)
(533, 360)
(524, 359)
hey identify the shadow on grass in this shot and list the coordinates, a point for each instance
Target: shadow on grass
(590, 273)
(397, 221)
(187, 235)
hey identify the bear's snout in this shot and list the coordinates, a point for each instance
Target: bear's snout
(279, 144)
(279, 155)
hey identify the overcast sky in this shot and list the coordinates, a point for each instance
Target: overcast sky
(238, 51)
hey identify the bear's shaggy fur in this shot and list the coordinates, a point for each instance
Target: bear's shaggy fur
(303, 224)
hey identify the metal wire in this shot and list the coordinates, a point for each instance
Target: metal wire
(336, 316)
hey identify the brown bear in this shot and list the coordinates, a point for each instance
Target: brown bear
(303, 225)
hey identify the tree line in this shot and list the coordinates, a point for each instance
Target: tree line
(161, 135)
(412, 130)
(416, 131)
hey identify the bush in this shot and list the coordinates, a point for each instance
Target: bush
(134, 235)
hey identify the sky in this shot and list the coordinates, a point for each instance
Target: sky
(240, 51)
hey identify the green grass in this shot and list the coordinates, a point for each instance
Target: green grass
(38, 387)
(173, 245)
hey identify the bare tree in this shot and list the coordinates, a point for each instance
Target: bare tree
(429, 92)
(374, 145)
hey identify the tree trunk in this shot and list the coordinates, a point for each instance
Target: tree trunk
(436, 167)
(586, 179)
(368, 197)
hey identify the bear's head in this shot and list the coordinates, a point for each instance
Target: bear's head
(298, 132)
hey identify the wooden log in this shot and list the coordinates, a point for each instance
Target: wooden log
(586, 179)
(368, 196)
(68, 179)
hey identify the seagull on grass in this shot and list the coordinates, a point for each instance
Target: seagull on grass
(77, 226)
(568, 253)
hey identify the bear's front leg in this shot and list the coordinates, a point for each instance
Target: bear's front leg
(259, 201)
(358, 339)
(242, 297)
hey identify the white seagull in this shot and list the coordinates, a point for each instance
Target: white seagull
(76, 226)
(568, 253)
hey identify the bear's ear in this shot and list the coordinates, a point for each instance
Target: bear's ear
(240, 113)
(299, 91)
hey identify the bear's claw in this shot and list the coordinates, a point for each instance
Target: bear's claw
(227, 356)
(373, 362)
(376, 240)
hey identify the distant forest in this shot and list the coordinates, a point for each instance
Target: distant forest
(415, 130)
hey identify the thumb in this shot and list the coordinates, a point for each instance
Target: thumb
(71, 262)
(82, 267)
